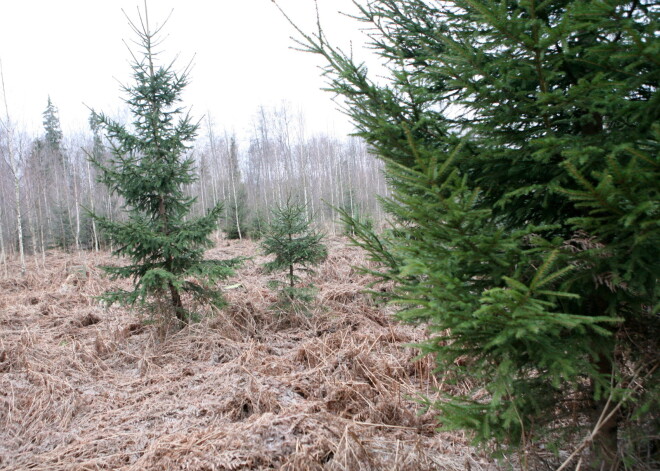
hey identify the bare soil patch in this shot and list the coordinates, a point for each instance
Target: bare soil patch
(84, 387)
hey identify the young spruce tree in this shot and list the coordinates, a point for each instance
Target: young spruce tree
(148, 169)
(521, 140)
(293, 242)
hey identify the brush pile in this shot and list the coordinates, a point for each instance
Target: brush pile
(85, 387)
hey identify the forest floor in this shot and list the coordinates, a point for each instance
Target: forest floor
(86, 387)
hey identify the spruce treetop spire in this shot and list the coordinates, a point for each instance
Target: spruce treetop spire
(51, 122)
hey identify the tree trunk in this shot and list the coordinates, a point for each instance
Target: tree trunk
(42, 238)
(3, 254)
(290, 265)
(19, 215)
(291, 275)
(91, 206)
(233, 175)
(32, 217)
(603, 455)
(604, 450)
(50, 230)
(67, 197)
(76, 200)
(177, 303)
(13, 165)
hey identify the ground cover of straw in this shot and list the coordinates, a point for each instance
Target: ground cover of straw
(85, 387)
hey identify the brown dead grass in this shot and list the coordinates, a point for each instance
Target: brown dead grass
(83, 387)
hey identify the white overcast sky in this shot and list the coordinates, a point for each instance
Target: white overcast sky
(73, 50)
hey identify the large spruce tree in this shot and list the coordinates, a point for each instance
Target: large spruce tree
(149, 168)
(521, 142)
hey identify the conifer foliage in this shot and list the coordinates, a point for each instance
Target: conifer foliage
(294, 243)
(521, 143)
(149, 168)
(51, 121)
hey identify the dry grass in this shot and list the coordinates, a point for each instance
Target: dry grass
(83, 387)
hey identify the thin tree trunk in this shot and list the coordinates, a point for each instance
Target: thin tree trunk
(67, 196)
(91, 206)
(13, 164)
(41, 232)
(333, 202)
(177, 303)
(76, 199)
(214, 160)
(19, 216)
(49, 221)
(604, 454)
(33, 231)
(202, 183)
(604, 451)
(3, 254)
(110, 214)
(233, 174)
(291, 265)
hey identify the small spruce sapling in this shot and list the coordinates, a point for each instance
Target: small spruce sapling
(149, 168)
(296, 247)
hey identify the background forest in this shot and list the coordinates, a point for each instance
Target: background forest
(47, 183)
